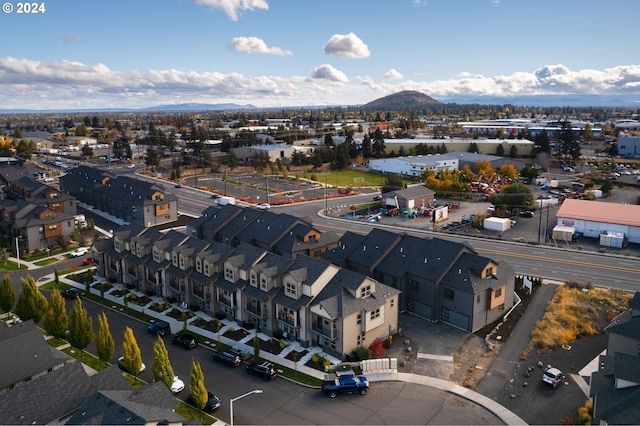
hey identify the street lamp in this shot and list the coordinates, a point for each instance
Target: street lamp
(239, 397)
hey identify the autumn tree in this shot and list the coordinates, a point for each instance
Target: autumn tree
(197, 388)
(56, 319)
(377, 348)
(7, 295)
(104, 340)
(80, 327)
(132, 359)
(31, 304)
(508, 170)
(162, 369)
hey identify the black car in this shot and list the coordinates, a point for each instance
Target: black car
(212, 403)
(527, 213)
(162, 328)
(187, 341)
(264, 370)
(228, 356)
(71, 293)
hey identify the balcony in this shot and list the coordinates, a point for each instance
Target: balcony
(326, 332)
(133, 272)
(175, 285)
(198, 292)
(226, 301)
(287, 318)
(256, 311)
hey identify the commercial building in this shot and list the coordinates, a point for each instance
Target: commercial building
(629, 146)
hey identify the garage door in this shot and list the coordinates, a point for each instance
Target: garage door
(455, 319)
(420, 309)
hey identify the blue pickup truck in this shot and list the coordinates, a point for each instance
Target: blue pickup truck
(345, 383)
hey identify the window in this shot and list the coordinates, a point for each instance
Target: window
(375, 314)
(360, 340)
(206, 269)
(489, 272)
(497, 293)
(414, 285)
(501, 307)
(253, 279)
(449, 293)
(263, 283)
(478, 298)
(359, 319)
(392, 302)
(291, 288)
(228, 274)
(365, 291)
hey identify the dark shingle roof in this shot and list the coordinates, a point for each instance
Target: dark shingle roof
(349, 242)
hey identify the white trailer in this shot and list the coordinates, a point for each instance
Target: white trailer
(223, 201)
(499, 224)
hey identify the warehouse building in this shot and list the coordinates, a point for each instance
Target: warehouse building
(609, 222)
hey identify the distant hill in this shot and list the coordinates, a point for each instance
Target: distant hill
(401, 101)
(170, 107)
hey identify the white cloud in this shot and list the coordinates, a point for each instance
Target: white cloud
(255, 45)
(232, 7)
(72, 38)
(329, 73)
(392, 74)
(348, 45)
(32, 84)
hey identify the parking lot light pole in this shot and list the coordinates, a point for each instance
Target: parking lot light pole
(239, 397)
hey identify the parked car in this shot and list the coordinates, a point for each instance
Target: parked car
(212, 403)
(161, 327)
(177, 385)
(122, 366)
(228, 356)
(87, 262)
(80, 251)
(187, 341)
(264, 370)
(527, 213)
(264, 206)
(70, 293)
(346, 383)
(552, 376)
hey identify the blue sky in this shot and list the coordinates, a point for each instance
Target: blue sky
(135, 53)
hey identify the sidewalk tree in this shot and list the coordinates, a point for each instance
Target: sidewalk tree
(162, 369)
(80, 327)
(31, 303)
(132, 359)
(7, 295)
(56, 319)
(198, 390)
(104, 339)
(4, 255)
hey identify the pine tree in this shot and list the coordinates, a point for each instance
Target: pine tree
(80, 327)
(198, 390)
(31, 304)
(56, 319)
(162, 369)
(7, 295)
(132, 359)
(104, 340)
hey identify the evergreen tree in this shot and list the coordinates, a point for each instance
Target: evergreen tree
(131, 353)
(366, 146)
(7, 295)
(198, 390)
(104, 339)
(378, 146)
(80, 327)
(162, 369)
(31, 304)
(56, 319)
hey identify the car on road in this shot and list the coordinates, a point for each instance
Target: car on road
(70, 293)
(527, 213)
(263, 206)
(187, 341)
(212, 403)
(264, 370)
(87, 262)
(80, 251)
(345, 383)
(229, 357)
(177, 385)
(161, 327)
(377, 197)
(215, 195)
(178, 185)
(122, 366)
(552, 376)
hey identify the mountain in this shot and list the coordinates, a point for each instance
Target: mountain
(171, 107)
(401, 101)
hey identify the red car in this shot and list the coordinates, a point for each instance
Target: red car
(87, 262)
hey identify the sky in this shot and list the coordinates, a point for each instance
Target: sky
(84, 54)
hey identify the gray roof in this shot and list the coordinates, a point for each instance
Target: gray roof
(348, 243)
(412, 192)
(436, 259)
(626, 325)
(374, 248)
(24, 353)
(232, 228)
(47, 398)
(403, 254)
(616, 406)
(464, 274)
(151, 403)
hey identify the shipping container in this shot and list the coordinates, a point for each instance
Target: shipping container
(497, 224)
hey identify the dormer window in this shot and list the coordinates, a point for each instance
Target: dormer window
(228, 274)
(253, 280)
(263, 283)
(365, 291)
(489, 272)
(198, 265)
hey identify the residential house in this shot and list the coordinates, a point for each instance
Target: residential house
(440, 280)
(615, 387)
(126, 198)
